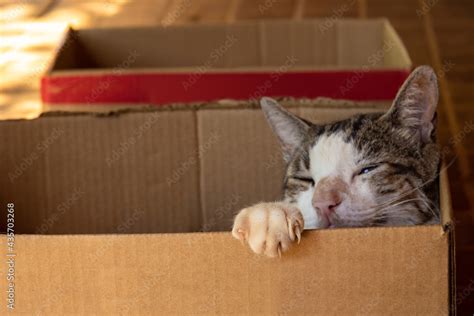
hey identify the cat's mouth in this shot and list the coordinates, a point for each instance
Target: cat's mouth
(335, 221)
(326, 221)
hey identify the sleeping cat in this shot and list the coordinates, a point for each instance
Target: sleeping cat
(368, 170)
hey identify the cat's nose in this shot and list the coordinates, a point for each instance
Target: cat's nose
(327, 201)
(329, 194)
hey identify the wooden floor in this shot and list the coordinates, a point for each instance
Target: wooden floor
(438, 32)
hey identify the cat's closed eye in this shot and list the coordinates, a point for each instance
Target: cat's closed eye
(308, 180)
(367, 169)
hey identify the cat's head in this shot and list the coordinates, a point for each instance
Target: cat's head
(368, 170)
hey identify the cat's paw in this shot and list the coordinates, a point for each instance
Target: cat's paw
(269, 228)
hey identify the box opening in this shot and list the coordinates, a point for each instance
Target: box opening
(154, 170)
(245, 45)
(98, 69)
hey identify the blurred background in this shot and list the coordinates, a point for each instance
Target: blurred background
(435, 32)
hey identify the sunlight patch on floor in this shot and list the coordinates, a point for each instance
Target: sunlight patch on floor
(28, 44)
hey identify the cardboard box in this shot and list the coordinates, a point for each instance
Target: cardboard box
(344, 59)
(129, 212)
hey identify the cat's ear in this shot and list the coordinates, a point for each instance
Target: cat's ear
(414, 107)
(290, 129)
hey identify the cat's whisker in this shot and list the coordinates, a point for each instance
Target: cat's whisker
(400, 203)
(376, 215)
(398, 197)
(430, 205)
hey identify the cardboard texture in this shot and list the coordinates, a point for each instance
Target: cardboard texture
(350, 59)
(120, 213)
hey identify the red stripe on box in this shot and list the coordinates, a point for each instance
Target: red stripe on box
(161, 88)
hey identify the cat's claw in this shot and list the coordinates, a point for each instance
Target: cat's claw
(240, 235)
(298, 233)
(269, 228)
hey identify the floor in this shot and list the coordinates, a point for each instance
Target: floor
(436, 32)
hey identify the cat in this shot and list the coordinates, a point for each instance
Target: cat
(378, 169)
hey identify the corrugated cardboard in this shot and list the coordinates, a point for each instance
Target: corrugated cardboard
(348, 59)
(120, 213)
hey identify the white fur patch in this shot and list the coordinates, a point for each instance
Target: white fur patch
(305, 205)
(331, 156)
